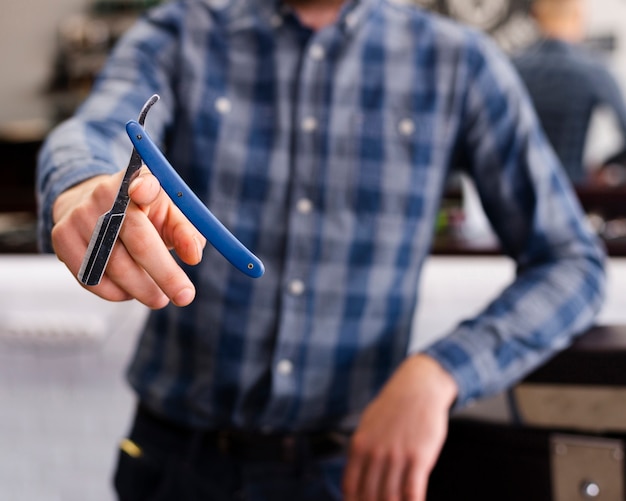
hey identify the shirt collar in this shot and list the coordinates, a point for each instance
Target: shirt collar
(246, 14)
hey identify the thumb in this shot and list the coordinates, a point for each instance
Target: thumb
(145, 188)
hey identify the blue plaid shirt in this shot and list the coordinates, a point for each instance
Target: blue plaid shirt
(567, 85)
(327, 154)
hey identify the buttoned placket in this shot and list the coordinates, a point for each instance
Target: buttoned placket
(302, 213)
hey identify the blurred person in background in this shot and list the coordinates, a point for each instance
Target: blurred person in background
(567, 82)
(322, 133)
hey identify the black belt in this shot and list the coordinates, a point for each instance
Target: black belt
(239, 444)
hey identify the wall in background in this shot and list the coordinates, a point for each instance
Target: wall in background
(27, 44)
(607, 17)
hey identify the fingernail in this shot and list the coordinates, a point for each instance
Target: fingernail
(199, 247)
(135, 184)
(184, 297)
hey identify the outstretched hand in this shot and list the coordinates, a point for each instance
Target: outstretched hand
(141, 265)
(400, 436)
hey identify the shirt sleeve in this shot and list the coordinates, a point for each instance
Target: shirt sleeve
(94, 140)
(532, 207)
(609, 94)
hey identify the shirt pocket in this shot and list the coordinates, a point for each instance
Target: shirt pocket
(391, 153)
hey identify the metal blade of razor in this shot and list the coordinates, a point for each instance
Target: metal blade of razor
(109, 224)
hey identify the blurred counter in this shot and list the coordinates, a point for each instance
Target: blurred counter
(454, 288)
(604, 205)
(63, 352)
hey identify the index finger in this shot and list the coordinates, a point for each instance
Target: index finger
(354, 468)
(176, 230)
(145, 245)
(415, 482)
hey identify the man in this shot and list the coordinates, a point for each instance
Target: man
(567, 83)
(321, 133)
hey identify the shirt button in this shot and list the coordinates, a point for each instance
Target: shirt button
(285, 367)
(222, 105)
(317, 52)
(351, 20)
(276, 20)
(406, 127)
(304, 206)
(296, 287)
(309, 124)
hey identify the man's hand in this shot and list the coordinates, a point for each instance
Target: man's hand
(400, 436)
(141, 265)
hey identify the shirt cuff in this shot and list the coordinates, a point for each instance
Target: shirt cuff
(461, 360)
(63, 178)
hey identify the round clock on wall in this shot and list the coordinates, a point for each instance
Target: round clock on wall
(506, 20)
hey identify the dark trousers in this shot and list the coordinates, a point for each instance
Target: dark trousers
(161, 461)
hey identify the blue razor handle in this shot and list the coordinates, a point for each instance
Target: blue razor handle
(191, 206)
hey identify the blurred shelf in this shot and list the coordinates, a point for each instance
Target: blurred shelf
(18, 233)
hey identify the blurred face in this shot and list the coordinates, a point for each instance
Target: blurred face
(309, 3)
(564, 19)
(582, 12)
(316, 13)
